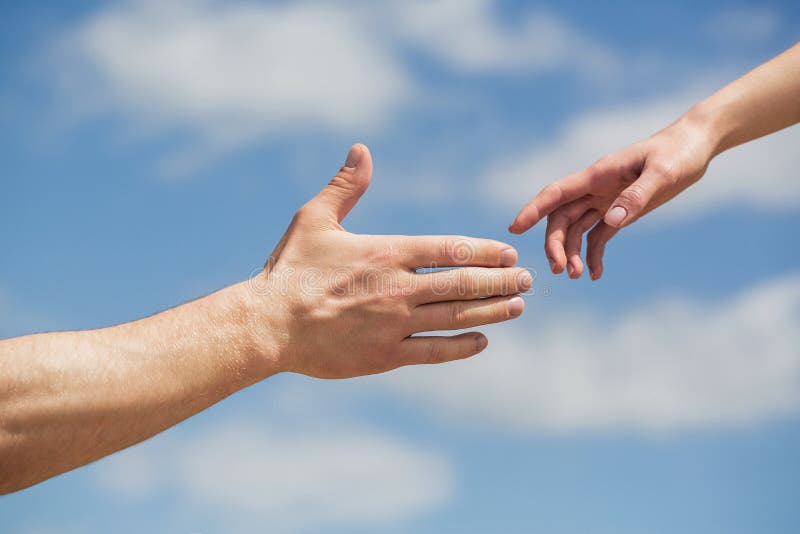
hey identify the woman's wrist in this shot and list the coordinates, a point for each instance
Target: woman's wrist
(703, 125)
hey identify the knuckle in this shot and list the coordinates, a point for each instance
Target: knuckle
(456, 314)
(552, 243)
(386, 254)
(434, 353)
(614, 166)
(405, 315)
(447, 249)
(553, 190)
(633, 196)
(343, 180)
(304, 213)
(415, 248)
(663, 171)
(604, 166)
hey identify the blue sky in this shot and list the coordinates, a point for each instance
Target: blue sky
(153, 152)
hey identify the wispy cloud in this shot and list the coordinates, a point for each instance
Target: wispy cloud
(249, 476)
(468, 35)
(759, 174)
(229, 73)
(669, 365)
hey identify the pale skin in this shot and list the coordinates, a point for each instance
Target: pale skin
(622, 187)
(328, 304)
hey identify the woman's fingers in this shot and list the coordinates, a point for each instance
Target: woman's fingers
(596, 246)
(575, 239)
(439, 349)
(552, 197)
(556, 234)
(469, 283)
(633, 202)
(458, 314)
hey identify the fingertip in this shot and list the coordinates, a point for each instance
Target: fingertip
(516, 227)
(616, 216)
(508, 257)
(354, 156)
(555, 254)
(481, 342)
(524, 280)
(516, 305)
(574, 270)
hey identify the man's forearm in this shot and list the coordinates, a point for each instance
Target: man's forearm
(69, 398)
(763, 101)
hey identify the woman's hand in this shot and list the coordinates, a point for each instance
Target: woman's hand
(622, 187)
(332, 304)
(614, 192)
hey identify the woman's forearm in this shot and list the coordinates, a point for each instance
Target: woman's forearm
(763, 101)
(69, 398)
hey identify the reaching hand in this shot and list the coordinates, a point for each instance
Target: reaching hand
(344, 305)
(613, 193)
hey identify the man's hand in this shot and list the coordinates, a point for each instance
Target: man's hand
(328, 303)
(340, 305)
(613, 193)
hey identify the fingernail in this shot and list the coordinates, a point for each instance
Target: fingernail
(553, 266)
(515, 306)
(524, 281)
(616, 215)
(570, 270)
(353, 157)
(591, 274)
(480, 342)
(508, 257)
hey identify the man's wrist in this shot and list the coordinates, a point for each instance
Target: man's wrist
(257, 327)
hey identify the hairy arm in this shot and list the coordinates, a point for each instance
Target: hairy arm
(622, 187)
(328, 304)
(68, 398)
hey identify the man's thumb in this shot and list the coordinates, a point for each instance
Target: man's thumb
(344, 189)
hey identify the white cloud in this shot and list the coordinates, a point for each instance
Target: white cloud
(669, 365)
(230, 73)
(286, 480)
(468, 35)
(760, 174)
